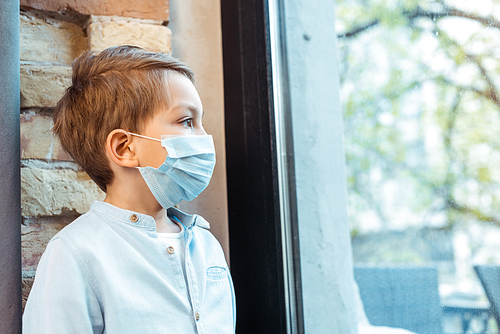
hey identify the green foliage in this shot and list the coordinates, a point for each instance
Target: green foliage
(421, 113)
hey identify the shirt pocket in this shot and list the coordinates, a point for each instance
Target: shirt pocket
(216, 273)
(217, 301)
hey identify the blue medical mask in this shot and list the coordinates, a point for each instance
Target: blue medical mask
(186, 172)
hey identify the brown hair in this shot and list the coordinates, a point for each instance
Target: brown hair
(119, 88)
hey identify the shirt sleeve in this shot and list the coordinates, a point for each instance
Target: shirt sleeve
(62, 299)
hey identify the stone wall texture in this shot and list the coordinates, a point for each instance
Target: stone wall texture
(37, 139)
(44, 38)
(54, 190)
(43, 86)
(151, 9)
(50, 192)
(105, 31)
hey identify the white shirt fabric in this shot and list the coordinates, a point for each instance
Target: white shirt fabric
(176, 241)
(107, 272)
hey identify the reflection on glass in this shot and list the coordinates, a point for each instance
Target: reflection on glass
(420, 87)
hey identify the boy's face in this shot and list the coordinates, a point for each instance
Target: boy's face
(182, 117)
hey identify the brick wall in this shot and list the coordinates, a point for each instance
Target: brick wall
(54, 190)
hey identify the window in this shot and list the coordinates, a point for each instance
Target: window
(419, 84)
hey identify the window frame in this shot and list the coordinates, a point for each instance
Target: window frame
(264, 245)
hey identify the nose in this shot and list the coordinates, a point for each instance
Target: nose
(201, 131)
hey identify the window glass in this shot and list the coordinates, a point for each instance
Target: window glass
(420, 91)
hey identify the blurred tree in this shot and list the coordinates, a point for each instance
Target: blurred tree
(421, 111)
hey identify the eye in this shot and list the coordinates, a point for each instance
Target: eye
(188, 122)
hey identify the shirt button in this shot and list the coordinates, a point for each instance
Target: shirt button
(197, 316)
(134, 218)
(170, 250)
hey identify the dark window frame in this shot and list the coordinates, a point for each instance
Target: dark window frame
(255, 232)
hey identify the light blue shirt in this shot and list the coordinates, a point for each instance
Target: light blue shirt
(107, 272)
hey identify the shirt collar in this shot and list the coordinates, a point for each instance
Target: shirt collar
(145, 221)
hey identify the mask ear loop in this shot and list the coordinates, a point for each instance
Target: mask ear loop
(145, 137)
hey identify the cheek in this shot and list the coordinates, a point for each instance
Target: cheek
(159, 157)
(154, 156)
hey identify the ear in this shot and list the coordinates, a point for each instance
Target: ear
(120, 148)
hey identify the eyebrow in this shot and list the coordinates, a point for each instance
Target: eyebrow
(189, 107)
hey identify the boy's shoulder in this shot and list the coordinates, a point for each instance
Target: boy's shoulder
(78, 225)
(85, 228)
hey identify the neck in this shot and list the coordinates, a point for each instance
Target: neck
(134, 195)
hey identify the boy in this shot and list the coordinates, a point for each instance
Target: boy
(134, 264)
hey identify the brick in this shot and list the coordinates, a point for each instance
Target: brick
(27, 284)
(43, 86)
(49, 39)
(104, 32)
(38, 141)
(151, 9)
(35, 235)
(46, 192)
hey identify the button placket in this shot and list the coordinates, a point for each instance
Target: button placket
(191, 277)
